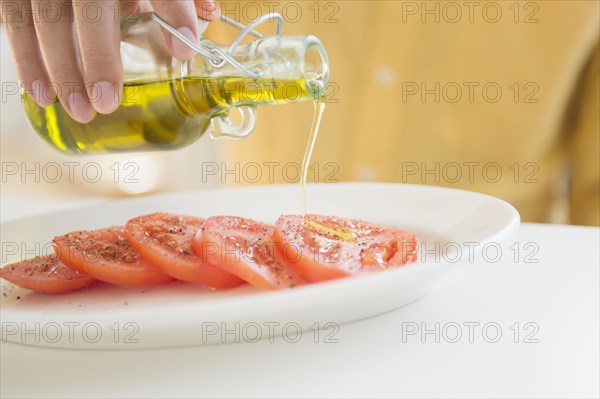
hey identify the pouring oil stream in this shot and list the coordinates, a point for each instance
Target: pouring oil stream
(319, 108)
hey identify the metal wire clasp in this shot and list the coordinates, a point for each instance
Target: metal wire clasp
(217, 56)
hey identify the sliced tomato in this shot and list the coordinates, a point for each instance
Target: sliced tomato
(46, 274)
(245, 248)
(323, 247)
(165, 241)
(107, 255)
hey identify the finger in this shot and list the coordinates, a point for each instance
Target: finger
(180, 14)
(98, 35)
(23, 42)
(57, 43)
(129, 8)
(208, 10)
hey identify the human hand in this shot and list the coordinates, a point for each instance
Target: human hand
(69, 49)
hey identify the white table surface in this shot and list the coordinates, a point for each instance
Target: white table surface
(558, 295)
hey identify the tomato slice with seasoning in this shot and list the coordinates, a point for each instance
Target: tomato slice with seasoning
(323, 247)
(46, 274)
(245, 248)
(108, 256)
(164, 240)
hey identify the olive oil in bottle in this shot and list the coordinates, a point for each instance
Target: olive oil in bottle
(169, 103)
(158, 115)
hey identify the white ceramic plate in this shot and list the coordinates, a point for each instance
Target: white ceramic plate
(453, 227)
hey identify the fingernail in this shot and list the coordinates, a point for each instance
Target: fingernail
(180, 49)
(105, 97)
(208, 10)
(40, 95)
(81, 111)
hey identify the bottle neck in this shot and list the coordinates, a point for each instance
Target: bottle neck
(289, 69)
